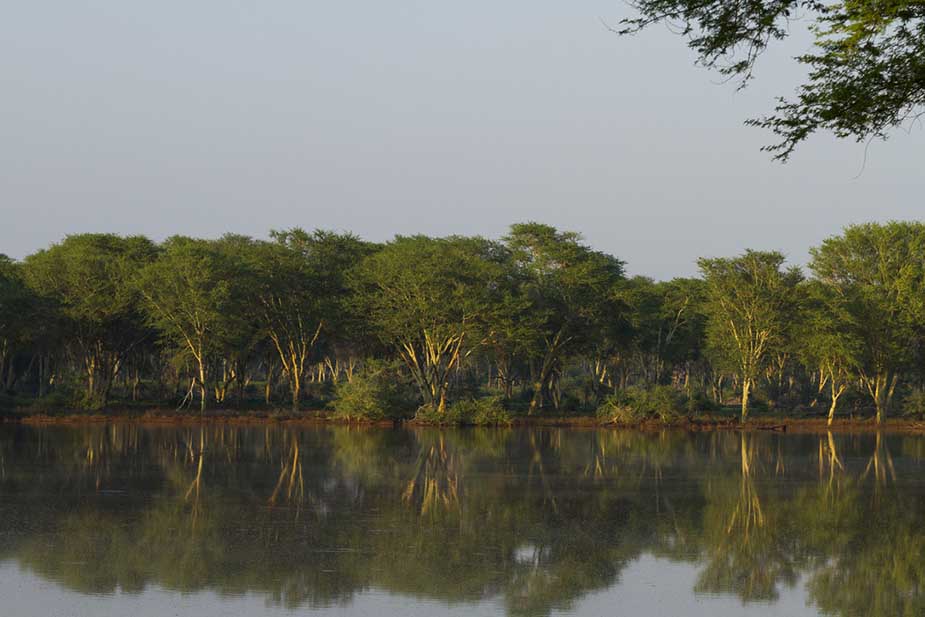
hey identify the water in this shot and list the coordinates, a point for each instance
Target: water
(126, 520)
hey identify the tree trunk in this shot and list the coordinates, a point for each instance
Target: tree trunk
(295, 382)
(202, 387)
(881, 388)
(136, 380)
(746, 388)
(543, 384)
(832, 410)
(836, 393)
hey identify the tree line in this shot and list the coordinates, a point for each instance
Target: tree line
(537, 322)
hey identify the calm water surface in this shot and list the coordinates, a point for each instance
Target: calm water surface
(125, 520)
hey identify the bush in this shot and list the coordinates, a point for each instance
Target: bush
(699, 402)
(481, 412)
(489, 411)
(54, 401)
(913, 404)
(634, 405)
(379, 392)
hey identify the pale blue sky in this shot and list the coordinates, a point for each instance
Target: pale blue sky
(419, 116)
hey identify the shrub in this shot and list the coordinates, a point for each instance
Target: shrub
(661, 403)
(489, 411)
(481, 412)
(379, 392)
(700, 402)
(913, 404)
(429, 415)
(55, 401)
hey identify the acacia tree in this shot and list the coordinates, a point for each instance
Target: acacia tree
(88, 278)
(426, 298)
(193, 296)
(748, 301)
(17, 310)
(511, 323)
(571, 289)
(828, 341)
(300, 288)
(866, 73)
(667, 324)
(871, 268)
(233, 355)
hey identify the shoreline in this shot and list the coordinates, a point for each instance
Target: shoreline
(706, 422)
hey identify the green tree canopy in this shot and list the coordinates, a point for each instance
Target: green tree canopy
(827, 340)
(574, 293)
(193, 294)
(300, 286)
(17, 316)
(749, 302)
(427, 298)
(87, 277)
(876, 271)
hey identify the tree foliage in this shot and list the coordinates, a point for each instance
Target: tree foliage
(87, 278)
(866, 74)
(536, 322)
(749, 301)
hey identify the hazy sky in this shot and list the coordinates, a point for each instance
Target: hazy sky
(410, 117)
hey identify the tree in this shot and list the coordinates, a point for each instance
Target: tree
(192, 295)
(88, 278)
(300, 288)
(571, 288)
(872, 269)
(426, 298)
(667, 324)
(17, 310)
(749, 299)
(511, 323)
(828, 340)
(866, 74)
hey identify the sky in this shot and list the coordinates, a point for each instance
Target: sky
(434, 117)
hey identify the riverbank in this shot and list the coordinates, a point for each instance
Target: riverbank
(701, 422)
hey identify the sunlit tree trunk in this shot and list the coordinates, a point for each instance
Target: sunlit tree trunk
(746, 389)
(430, 360)
(881, 387)
(203, 390)
(294, 349)
(836, 393)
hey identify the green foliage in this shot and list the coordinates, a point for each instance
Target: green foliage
(876, 273)
(539, 318)
(426, 298)
(23, 321)
(866, 74)
(574, 300)
(379, 392)
(750, 301)
(488, 411)
(86, 281)
(699, 402)
(667, 322)
(196, 294)
(633, 405)
(913, 404)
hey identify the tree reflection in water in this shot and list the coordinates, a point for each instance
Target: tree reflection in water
(536, 519)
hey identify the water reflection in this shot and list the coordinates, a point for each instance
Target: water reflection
(533, 519)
